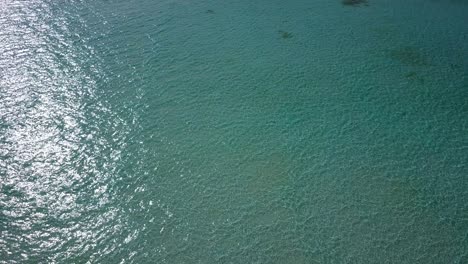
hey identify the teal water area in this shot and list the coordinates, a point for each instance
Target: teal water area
(234, 131)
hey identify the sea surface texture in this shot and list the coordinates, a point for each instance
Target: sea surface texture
(288, 132)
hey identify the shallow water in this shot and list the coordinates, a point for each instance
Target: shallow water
(233, 132)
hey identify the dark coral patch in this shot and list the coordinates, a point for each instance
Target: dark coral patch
(355, 2)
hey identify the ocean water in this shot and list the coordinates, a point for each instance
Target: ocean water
(233, 131)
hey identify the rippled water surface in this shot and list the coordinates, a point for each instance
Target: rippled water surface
(233, 132)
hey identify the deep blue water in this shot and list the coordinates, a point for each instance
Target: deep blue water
(233, 131)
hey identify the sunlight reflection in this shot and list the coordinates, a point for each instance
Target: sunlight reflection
(49, 140)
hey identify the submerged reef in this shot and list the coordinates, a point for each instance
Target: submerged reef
(285, 34)
(355, 2)
(413, 76)
(410, 56)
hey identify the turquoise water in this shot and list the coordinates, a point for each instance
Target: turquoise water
(233, 132)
